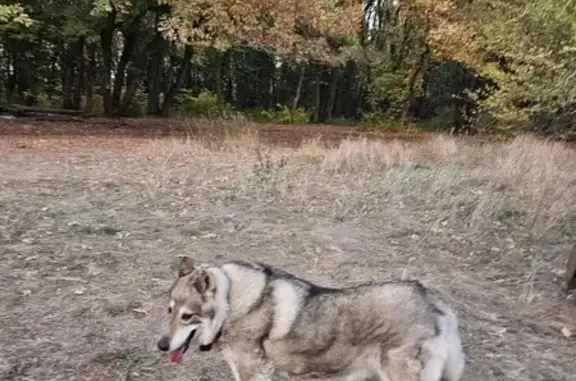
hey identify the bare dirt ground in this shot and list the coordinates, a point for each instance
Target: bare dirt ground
(92, 220)
(276, 134)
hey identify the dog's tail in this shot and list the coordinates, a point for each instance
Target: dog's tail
(444, 355)
(454, 365)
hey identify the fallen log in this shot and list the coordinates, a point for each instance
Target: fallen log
(21, 110)
(571, 270)
(46, 118)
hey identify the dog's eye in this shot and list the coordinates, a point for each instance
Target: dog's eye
(169, 310)
(187, 316)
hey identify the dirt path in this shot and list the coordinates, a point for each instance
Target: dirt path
(288, 135)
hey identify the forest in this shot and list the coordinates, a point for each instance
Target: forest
(465, 66)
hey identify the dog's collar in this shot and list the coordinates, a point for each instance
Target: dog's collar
(208, 347)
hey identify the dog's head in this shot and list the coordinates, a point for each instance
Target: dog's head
(196, 309)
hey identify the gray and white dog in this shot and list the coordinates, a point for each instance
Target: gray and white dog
(267, 322)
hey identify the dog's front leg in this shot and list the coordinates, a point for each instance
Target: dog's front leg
(247, 363)
(232, 361)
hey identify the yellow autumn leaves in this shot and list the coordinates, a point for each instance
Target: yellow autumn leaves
(289, 27)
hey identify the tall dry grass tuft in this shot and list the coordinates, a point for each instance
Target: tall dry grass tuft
(525, 185)
(540, 180)
(368, 155)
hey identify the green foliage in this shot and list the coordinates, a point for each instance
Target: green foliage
(284, 115)
(49, 100)
(298, 28)
(13, 15)
(203, 105)
(383, 123)
(538, 42)
(440, 122)
(138, 107)
(15, 22)
(342, 122)
(387, 83)
(97, 105)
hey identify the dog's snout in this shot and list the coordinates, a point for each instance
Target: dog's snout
(164, 343)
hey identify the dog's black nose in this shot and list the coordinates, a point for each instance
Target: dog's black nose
(164, 343)
(205, 348)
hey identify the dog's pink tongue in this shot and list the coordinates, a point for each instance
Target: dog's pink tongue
(176, 356)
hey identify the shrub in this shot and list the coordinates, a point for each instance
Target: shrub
(203, 105)
(284, 115)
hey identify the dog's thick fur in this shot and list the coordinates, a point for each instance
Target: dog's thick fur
(268, 322)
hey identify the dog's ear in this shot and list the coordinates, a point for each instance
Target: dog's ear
(186, 266)
(204, 282)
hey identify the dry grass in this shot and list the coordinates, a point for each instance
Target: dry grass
(90, 237)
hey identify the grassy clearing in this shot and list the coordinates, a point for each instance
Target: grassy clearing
(90, 238)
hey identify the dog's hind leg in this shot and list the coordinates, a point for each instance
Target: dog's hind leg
(454, 366)
(442, 359)
(433, 356)
(443, 353)
(383, 374)
(402, 365)
(455, 362)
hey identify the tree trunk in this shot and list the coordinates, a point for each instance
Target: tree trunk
(264, 80)
(219, 69)
(170, 76)
(80, 75)
(417, 69)
(316, 114)
(299, 88)
(277, 81)
(106, 40)
(133, 79)
(241, 81)
(90, 78)
(333, 90)
(154, 82)
(139, 69)
(457, 115)
(349, 98)
(11, 77)
(130, 36)
(183, 72)
(155, 75)
(23, 77)
(272, 86)
(67, 85)
(3, 81)
(68, 63)
(232, 96)
(155, 68)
